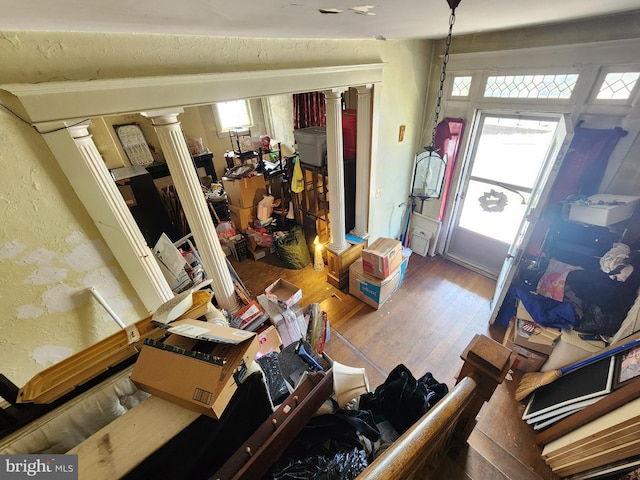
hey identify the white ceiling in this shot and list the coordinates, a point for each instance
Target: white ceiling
(392, 19)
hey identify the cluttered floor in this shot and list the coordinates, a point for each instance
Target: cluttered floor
(425, 326)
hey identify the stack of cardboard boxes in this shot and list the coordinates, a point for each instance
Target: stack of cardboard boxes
(243, 195)
(379, 272)
(530, 342)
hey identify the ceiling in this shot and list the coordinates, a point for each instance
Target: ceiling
(386, 19)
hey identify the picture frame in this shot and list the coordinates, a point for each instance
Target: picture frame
(628, 365)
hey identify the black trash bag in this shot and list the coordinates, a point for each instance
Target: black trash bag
(341, 466)
(600, 322)
(402, 399)
(276, 384)
(292, 248)
(328, 447)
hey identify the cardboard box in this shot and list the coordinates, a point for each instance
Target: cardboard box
(526, 360)
(382, 257)
(245, 192)
(200, 381)
(269, 340)
(541, 339)
(283, 292)
(372, 290)
(242, 218)
(604, 210)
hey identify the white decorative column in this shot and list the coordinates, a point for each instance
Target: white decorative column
(363, 161)
(155, 290)
(187, 183)
(335, 170)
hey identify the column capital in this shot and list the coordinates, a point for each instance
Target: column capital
(364, 89)
(79, 130)
(334, 93)
(164, 116)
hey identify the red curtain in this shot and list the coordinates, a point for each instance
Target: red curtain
(449, 133)
(309, 110)
(580, 174)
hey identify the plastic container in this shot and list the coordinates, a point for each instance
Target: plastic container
(312, 145)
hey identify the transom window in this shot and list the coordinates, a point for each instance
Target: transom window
(461, 86)
(558, 86)
(618, 85)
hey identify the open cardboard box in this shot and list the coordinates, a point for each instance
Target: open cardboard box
(198, 366)
(283, 292)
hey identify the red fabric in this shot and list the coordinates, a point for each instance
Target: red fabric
(581, 172)
(309, 110)
(449, 133)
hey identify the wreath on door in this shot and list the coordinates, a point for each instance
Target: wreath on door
(493, 201)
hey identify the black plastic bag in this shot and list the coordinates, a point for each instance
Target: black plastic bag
(276, 384)
(402, 399)
(292, 249)
(341, 466)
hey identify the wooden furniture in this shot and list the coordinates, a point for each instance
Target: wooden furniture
(338, 264)
(138, 433)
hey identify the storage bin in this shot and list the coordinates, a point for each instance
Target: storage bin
(312, 145)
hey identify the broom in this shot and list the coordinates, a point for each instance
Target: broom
(532, 381)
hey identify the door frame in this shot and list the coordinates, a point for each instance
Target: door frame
(465, 175)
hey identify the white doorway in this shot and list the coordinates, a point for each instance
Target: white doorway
(507, 153)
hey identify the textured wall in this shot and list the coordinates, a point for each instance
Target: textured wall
(50, 251)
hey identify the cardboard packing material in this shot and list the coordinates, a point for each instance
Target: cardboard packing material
(372, 290)
(283, 292)
(382, 257)
(542, 339)
(242, 218)
(526, 360)
(245, 192)
(202, 382)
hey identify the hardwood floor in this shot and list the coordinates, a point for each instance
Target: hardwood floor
(425, 325)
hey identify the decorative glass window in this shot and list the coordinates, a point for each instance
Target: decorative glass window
(618, 85)
(531, 86)
(233, 114)
(461, 86)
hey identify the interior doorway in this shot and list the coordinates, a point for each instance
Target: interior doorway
(508, 151)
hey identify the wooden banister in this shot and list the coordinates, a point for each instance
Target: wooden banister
(448, 424)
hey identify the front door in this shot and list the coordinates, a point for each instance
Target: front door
(507, 154)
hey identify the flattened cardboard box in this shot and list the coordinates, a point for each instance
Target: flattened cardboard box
(382, 257)
(203, 380)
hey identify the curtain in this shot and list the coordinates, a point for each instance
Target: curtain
(449, 134)
(309, 110)
(581, 172)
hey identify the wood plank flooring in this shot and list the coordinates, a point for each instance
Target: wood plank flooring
(425, 325)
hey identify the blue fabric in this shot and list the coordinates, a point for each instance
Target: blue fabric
(545, 311)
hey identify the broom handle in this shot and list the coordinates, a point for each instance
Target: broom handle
(609, 353)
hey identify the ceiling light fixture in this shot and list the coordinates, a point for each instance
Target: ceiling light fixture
(429, 170)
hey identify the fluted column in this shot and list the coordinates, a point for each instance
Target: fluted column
(187, 183)
(335, 167)
(363, 161)
(152, 278)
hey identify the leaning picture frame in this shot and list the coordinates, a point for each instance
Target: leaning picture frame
(628, 365)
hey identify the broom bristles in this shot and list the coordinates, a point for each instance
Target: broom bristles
(532, 381)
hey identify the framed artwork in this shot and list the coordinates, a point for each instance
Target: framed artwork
(629, 365)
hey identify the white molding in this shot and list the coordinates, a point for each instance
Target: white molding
(53, 105)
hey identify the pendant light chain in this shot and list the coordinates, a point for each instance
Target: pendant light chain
(443, 75)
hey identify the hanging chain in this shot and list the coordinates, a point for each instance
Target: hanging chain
(443, 75)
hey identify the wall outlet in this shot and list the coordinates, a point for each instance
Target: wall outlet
(378, 192)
